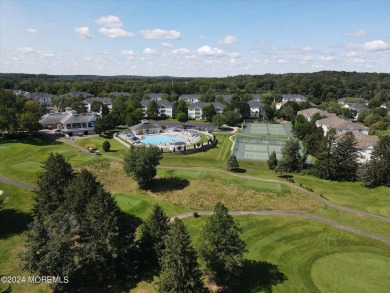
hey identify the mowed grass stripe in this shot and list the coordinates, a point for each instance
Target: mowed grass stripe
(295, 244)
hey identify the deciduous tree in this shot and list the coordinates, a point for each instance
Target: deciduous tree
(291, 158)
(141, 163)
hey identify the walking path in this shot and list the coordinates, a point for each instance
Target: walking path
(292, 213)
(15, 182)
(289, 184)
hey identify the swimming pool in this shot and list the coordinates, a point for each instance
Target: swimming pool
(158, 139)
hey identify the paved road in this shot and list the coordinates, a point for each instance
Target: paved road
(291, 213)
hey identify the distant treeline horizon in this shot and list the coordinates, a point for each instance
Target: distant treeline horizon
(322, 86)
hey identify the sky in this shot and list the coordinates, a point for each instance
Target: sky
(214, 38)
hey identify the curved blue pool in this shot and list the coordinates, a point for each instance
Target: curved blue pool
(157, 139)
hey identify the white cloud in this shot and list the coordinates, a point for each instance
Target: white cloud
(150, 51)
(39, 53)
(32, 30)
(228, 40)
(356, 33)
(352, 54)
(359, 60)
(110, 21)
(115, 32)
(307, 58)
(181, 51)
(112, 27)
(307, 49)
(377, 45)
(128, 53)
(167, 45)
(161, 34)
(83, 32)
(209, 51)
(327, 58)
(26, 50)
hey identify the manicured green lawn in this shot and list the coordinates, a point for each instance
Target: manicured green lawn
(117, 150)
(350, 194)
(15, 214)
(21, 159)
(312, 256)
(215, 157)
(140, 205)
(298, 255)
(369, 270)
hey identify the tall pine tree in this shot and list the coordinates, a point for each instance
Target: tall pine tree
(221, 247)
(326, 161)
(56, 176)
(378, 169)
(232, 164)
(180, 270)
(153, 232)
(346, 157)
(84, 238)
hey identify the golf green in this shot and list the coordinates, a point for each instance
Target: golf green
(352, 272)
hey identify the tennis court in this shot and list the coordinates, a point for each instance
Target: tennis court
(257, 149)
(267, 129)
(258, 140)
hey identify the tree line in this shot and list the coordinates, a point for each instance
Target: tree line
(336, 156)
(79, 231)
(318, 86)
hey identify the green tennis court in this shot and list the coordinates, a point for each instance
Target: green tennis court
(257, 140)
(256, 156)
(258, 148)
(267, 129)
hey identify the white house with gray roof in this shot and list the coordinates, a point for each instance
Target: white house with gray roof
(70, 122)
(190, 98)
(104, 100)
(341, 125)
(165, 107)
(359, 108)
(195, 110)
(155, 97)
(291, 98)
(41, 98)
(364, 143)
(257, 108)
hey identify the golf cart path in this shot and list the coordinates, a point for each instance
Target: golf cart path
(289, 184)
(286, 183)
(237, 213)
(15, 182)
(291, 213)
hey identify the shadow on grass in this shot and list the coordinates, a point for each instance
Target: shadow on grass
(13, 222)
(168, 184)
(33, 139)
(289, 178)
(259, 276)
(240, 170)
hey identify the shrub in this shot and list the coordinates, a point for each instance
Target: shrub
(106, 146)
